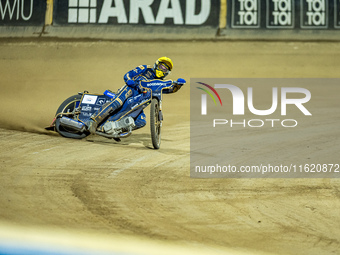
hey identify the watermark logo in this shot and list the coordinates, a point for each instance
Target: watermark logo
(239, 99)
(238, 108)
(263, 127)
(204, 97)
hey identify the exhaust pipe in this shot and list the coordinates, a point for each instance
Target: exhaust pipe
(73, 124)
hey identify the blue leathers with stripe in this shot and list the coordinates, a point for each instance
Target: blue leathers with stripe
(146, 73)
(141, 76)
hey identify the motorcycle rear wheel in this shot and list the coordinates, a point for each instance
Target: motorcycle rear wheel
(68, 106)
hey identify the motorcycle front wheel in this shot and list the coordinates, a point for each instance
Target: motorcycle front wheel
(155, 124)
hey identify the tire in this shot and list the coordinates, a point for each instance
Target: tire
(155, 124)
(68, 106)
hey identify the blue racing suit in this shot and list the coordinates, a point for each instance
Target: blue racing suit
(133, 87)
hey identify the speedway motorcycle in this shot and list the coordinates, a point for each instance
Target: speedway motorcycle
(76, 110)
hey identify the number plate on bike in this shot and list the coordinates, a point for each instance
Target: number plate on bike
(90, 104)
(89, 99)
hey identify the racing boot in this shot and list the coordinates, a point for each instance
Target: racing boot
(101, 114)
(91, 126)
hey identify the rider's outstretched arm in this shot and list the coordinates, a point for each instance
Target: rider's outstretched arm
(156, 83)
(175, 86)
(170, 86)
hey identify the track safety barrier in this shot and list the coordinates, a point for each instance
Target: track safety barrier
(171, 19)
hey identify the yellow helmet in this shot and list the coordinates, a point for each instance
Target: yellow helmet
(163, 67)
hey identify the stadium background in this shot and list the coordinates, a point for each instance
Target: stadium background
(61, 196)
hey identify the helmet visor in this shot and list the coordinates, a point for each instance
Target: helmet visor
(163, 68)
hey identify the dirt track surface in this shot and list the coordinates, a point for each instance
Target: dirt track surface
(104, 188)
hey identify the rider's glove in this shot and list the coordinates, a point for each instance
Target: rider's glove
(140, 88)
(178, 84)
(181, 81)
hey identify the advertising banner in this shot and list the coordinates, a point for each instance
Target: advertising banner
(22, 12)
(283, 14)
(135, 12)
(246, 14)
(314, 14)
(280, 14)
(337, 14)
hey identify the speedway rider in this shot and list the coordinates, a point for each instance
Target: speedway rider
(135, 79)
